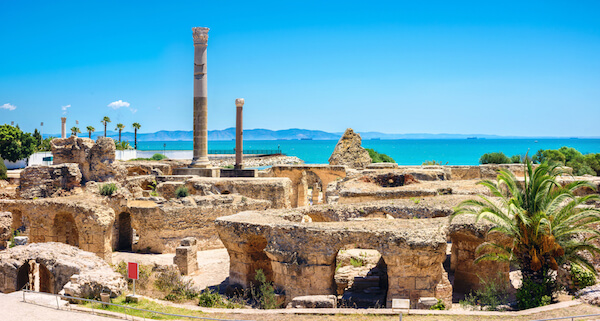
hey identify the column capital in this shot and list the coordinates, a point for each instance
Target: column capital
(200, 35)
(239, 102)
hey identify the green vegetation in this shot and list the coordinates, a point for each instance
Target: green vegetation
(155, 157)
(357, 262)
(499, 158)
(438, 306)
(228, 166)
(212, 299)
(147, 305)
(544, 221)
(265, 296)
(135, 126)
(493, 293)
(122, 145)
(13, 234)
(176, 287)
(75, 131)
(105, 120)
(581, 277)
(182, 191)
(108, 189)
(378, 157)
(2, 169)
(120, 128)
(568, 156)
(90, 130)
(433, 162)
(15, 144)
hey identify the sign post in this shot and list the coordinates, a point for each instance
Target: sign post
(133, 272)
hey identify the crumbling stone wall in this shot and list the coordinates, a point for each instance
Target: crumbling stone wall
(93, 275)
(349, 152)
(96, 161)
(45, 181)
(299, 257)
(466, 236)
(83, 224)
(297, 174)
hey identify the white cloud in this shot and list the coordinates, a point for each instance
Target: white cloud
(118, 104)
(8, 107)
(64, 109)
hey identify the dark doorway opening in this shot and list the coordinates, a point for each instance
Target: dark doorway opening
(125, 238)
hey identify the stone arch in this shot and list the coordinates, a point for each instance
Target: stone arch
(314, 182)
(18, 222)
(258, 258)
(124, 232)
(361, 277)
(65, 230)
(23, 276)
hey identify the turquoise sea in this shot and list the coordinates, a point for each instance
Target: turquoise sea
(403, 151)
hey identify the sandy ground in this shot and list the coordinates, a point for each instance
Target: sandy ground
(213, 264)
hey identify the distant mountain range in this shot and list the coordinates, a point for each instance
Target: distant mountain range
(284, 134)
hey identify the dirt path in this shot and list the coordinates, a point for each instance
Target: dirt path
(213, 264)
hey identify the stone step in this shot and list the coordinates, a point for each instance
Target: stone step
(362, 300)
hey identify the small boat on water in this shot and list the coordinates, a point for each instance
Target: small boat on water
(471, 137)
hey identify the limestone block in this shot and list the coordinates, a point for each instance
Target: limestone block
(21, 240)
(314, 301)
(426, 303)
(348, 151)
(186, 256)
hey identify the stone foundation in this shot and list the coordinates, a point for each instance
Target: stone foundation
(186, 256)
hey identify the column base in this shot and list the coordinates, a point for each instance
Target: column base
(202, 172)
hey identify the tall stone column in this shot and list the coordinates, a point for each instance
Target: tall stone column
(63, 127)
(200, 159)
(239, 134)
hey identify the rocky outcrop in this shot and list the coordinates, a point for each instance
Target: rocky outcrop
(45, 181)
(349, 152)
(54, 267)
(96, 161)
(5, 228)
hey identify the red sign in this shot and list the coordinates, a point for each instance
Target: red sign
(132, 270)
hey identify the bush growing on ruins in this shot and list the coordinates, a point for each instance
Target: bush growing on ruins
(2, 169)
(433, 162)
(265, 295)
(545, 222)
(439, 305)
(175, 285)
(108, 189)
(492, 293)
(158, 157)
(378, 157)
(15, 144)
(182, 191)
(581, 277)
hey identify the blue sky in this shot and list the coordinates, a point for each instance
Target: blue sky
(528, 68)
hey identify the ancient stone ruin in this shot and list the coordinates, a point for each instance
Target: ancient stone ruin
(349, 151)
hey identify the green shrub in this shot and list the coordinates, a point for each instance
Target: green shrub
(265, 294)
(2, 169)
(182, 191)
(15, 144)
(438, 306)
(492, 293)
(122, 145)
(494, 158)
(158, 157)
(108, 189)
(582, 277)
(515, 159)
(175, 285)
(210, 299)
(533, 295)
(357, 262)
(378, 157)
(433, 162)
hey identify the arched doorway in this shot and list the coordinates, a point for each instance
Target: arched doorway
(23, 276)
(361, 278)
(125, 232)
(65, 229)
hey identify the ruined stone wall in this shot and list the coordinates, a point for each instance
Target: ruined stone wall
(297, 174)
(85, 225)
(46, 181)
(300, 257)
(466, 236)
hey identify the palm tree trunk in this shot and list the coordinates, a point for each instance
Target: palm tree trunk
(90, 134)
(104, 129)
(119, 135)
(135, 137)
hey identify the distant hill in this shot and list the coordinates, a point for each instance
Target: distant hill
(284, 134)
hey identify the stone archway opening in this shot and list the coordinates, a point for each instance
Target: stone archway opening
(125, 232)
(44, 280)
(65, 229)
(315, 188)
(259, 260)
(361, 278)
(23, 276)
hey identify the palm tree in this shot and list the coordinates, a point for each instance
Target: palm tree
(543, 219)
(74, 131)
(105, 120)
(120, 128)
(135, 126)
(90, 130)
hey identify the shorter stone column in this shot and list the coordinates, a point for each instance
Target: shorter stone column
(63, 127)
(186, 256)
